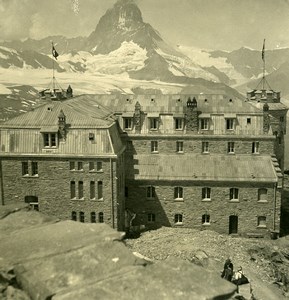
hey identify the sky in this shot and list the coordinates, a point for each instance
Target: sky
(207, 24)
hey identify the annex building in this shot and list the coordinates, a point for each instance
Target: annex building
(197, 161)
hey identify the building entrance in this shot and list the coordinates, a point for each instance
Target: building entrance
(233, 224)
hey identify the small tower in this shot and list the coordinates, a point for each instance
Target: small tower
(62, 125)
(266, 118)
(192, 115)
(137, 117)
(69, 92)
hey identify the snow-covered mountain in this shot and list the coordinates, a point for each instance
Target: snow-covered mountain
(121, 44)
(27, 59)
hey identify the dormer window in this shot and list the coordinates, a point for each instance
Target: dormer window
(153, 119)
(230, 124)
(91, 136)
(205, 124)
(50, 140)
(179, 123)
(127, 123)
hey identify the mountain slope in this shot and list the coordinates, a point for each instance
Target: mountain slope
(121, 44)
(26, 59)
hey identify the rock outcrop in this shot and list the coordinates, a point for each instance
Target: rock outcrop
(70, 260)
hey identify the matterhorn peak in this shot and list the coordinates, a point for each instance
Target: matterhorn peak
(124, 18)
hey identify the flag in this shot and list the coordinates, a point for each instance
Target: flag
(263, 51)
(54, 52)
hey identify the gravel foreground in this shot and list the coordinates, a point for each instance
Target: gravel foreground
(265, 262)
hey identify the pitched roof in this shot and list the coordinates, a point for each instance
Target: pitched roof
(199, 167)
(79, 114)
(218, 104)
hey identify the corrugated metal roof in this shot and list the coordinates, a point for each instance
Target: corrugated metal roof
(272, 106)
(198, 167)
(172, 103)
(79, 114)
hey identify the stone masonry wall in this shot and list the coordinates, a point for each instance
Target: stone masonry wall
(192, 207)
(217, 145)
(52, 187)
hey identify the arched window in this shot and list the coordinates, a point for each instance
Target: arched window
(81, 216)
(92, 217)
(100, 217)
(74, 216)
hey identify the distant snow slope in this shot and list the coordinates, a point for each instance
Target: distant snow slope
(204, 59)
(129, 57)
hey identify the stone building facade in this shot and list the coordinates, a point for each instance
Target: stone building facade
(65, 160)
(198, 161)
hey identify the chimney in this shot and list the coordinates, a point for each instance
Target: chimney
(137, 117)
(266, 118)
(62, 125)
(192, 115)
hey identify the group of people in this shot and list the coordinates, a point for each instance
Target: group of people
(236, 277)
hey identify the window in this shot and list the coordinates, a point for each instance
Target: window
(127, 123)
(50, 140)
(126, 191)
(25, 170)
(180, 146)
(92, 190)
(71, 165)
(205, 219)
(74, 216)
(91, 136)
(178, 192)
(151, 192)
(178, 219)
(91, 166)
(80, 189)
(81, 216)
(34, 167)
(99, 166)
(262, 195)
(261, 221)
(255, 147)
(33, 202)
(154, 123)
(231, 147)
(205, 124)
(154, 146)
(205, 147)
(99, 190)
(80, 166)
(151, 218)
(178, 123)
(230, 124)
(92, 217)
(281, 119)
(100, 217)
(248, 121)
(234, 194)
(206, 193)
(72, 190)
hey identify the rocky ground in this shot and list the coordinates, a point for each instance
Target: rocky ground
(29, 238)
(264, 262)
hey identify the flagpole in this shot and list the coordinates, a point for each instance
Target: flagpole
(53, 78)
(263, 56)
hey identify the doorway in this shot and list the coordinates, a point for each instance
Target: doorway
(233, 224)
